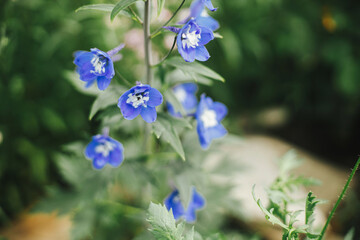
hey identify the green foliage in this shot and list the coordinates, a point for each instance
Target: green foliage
(122, 4)
(160, 6)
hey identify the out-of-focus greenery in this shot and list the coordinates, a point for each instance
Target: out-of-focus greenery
(302, 56)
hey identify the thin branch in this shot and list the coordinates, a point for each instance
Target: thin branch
(121, 77)
(172, 17)
(137, 18)
(168, 54)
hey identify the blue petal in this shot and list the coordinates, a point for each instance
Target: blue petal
(204, 138)
(148, 114)
(89, 83)
(196, 8)
(155, 98)
(116, 157)
(109, 69)
(206, 35)
(197, 202)
(208, 22)
(220, 109)
(202, 54)
(217, 131)
(85, 74)
(173, 202)
(103, 82)
(187, 54)
(127, 110)
(189, 87)
(209, 5)
(82, 57)
(99, 162)
(172, 29)
(90, 149)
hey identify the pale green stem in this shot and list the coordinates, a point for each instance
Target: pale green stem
(339, 199)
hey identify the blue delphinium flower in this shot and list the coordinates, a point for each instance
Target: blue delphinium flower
(202, 18)
(104, 149)
(141, 99)
(173, 202)
(191, 39)
(185, 94)
(97, 65)
(209, 115)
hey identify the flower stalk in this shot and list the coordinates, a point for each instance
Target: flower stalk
(342, 195)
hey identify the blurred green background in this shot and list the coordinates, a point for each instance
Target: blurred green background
(296, 60)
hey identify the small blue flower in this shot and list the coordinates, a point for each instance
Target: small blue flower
(141, 99)
(196, 203)
(209, 115)
(185, 94)
(97, 65)
(202, 18)
(104, 149)
(191, 39)
(209, 5)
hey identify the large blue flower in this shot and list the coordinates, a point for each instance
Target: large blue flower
(104, 149)
(209, 115)
(191, 39)
(185, 94)
(173, 202)
(202, 18)
(96, 65)
(141, 99)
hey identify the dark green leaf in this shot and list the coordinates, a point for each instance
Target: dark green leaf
(100, 7)
(105, 99)
(122, 4)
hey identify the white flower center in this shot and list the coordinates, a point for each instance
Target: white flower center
(180, 94)
(98, 65)
(105, 148)
(209, 118)
(138, 99)
(190, 39)
(204, 13)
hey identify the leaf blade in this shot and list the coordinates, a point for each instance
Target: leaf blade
(121, 5)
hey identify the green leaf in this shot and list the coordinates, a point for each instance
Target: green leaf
(178, 107)
(105, 99)
(165, 127)
(163, 225)
(268, 214)
(160, 6)
(79, 85)
(288, 162)
(178, 76)
(310, 205)
(82, 223)
(100, 7)
(194, 69)
(122, 4)
(350, 235)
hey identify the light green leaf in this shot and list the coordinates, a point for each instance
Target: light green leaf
(100, 7)
(163, 225)
(350, 235)
(82, 223)
(170, 97)
(268, 214)
(178, 76)
(194, 69)
(310, 205)
(288, 162)
(105, 99)
(165, 126)
(190, 234)
(79, 85)
(122, 4)
(160, 6)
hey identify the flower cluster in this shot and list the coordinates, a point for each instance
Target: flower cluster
(173, 202)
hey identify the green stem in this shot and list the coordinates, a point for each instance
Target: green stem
(339, 199)
(136, 17)
(121, 77)
(172, 17)
(147, 47)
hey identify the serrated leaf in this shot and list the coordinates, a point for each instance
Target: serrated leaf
(178, 76)
(310, 205)
(122, 4)
(268, 214)
(164, 127)
(163, 225)
(160, 6)
(82, 223)
(105, 99)
(194, 69)
(190, 235)
(288, 162)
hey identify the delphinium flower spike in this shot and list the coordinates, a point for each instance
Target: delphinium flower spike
(104, 149)
(97, 65)
(209, 115)
(141, 99)
(185, 94)
(196, 202)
